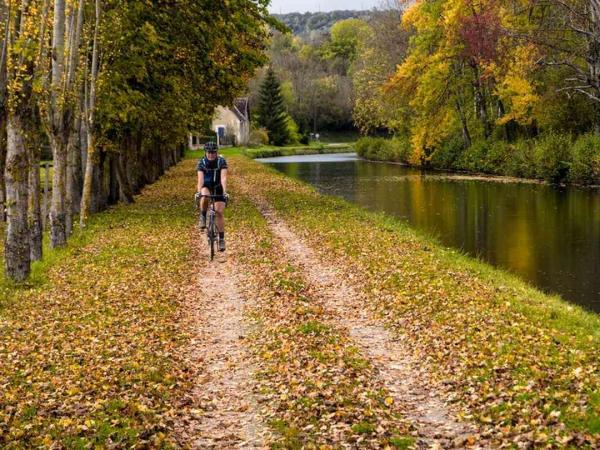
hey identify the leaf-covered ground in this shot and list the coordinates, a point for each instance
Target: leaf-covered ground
(525, 365)
(95, 351)
(90, 351)
(317, 389)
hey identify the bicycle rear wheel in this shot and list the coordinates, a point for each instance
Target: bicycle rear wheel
(212, 236)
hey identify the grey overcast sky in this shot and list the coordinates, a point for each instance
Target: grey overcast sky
(286, 6)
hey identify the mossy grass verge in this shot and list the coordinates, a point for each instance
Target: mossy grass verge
(318, 390)
(524, 364)
(92, 346)
(272, 152)
(315, 149)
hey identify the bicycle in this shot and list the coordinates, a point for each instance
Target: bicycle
(211, 223)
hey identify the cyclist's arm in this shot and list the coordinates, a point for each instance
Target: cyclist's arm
(200, 181)
(224, 179)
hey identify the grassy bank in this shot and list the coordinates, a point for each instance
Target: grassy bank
(556, 158)
(91, 347)
(524, 364)
(271, 152)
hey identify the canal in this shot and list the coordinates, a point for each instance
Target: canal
(548, 236)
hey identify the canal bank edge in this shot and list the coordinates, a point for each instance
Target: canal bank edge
(273, 152)
(462, 175)
(510, 355)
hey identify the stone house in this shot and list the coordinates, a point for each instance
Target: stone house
(231, 125)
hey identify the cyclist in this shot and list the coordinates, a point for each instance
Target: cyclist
(212, 180)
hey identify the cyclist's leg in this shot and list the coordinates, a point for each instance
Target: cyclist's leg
(204, 201)
(219, 212)
(220, 209)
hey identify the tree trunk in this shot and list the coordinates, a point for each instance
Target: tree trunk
(481, 102)
(86, 196)
(75, 166)
(124, 185)
(35, 213)
(113, 190)
(593, 58)
(100, 188)
(4, 17)
(58, 212)
(2, 167)
(17, 255)
(89, 110)
(69, 190)
(464, 124)
(73, 189)
(73, 177)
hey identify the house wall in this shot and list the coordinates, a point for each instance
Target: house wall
(233, 125)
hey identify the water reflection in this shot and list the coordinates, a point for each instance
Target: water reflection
(548, 236)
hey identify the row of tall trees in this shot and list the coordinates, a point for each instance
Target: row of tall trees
(112, 87)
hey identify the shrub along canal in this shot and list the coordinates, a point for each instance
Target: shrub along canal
(549, 236)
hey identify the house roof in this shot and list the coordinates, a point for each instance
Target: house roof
(240, 108)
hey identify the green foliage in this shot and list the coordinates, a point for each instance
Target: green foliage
(585, 167)
(474, 157)
(521, 160)
(447, 156)
(484, 156)
(292, 130)
(271, 110)
(259, 137)
(171, 67)
(380, 50)
(345, 38)
(316, 90)
(553, 157)
(397, 149)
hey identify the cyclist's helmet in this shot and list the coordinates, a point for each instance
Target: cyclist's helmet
(211, 147)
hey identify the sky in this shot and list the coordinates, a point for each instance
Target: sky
(285, 6)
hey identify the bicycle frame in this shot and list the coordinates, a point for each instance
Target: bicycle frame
(211, 226)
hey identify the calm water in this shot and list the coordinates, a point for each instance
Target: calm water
(548, 236)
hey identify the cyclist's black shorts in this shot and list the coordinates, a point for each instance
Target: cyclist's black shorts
(216, 190)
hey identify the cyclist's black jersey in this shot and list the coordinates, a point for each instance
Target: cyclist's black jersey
(212, 170)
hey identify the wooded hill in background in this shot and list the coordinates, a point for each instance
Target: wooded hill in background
(315, 24)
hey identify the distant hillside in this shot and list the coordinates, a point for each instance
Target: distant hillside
(309, 24)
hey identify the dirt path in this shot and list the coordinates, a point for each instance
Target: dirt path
(403, 376)
(225, 410)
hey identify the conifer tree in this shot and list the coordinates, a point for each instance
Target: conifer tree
(271, 110)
